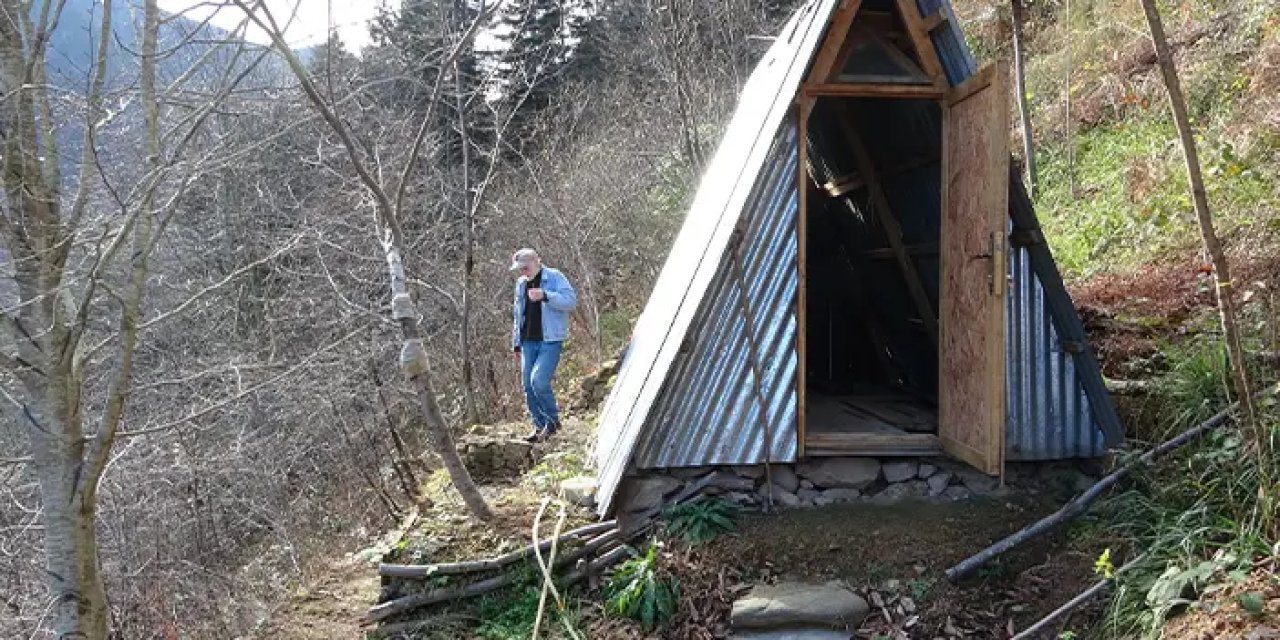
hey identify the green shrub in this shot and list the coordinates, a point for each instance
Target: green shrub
(701, 521)
(641, 590)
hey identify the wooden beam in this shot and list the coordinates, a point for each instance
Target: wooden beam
(929, 60)
(895, 444)
(977, 82)
(933, 20)
(833, 42)
(925, 249)
(892, 230)
(883, 90)
(802, 252)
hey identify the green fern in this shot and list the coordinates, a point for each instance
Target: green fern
(642, 591)
(701, 521)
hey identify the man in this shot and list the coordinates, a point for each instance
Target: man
(544, 299)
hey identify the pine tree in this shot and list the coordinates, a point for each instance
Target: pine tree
(538, 42)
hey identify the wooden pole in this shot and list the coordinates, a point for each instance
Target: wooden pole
(1221, 267)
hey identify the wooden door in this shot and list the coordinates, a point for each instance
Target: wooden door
(975, 206)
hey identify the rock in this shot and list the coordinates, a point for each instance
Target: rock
(842, 495)
(755, 472)
(580, 490)
(822, 499)
(957, 493)
(856, 473)
(781, 496)
(792, 605)
(688, 473)
(902, 490)
(646, 493)
(805, 484)
(807, 633)
(938, 483)
(808, 496)
(978, 482)
(731, 482)
(900, 471)
(926, 471)
(784, 477)
(495, 457)
(739, 498)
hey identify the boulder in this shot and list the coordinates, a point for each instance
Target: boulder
(902, 490)
(938, 483)
(784, 477)
(731, 482)
(926, 471)
(797, 605)
(807, 633)
(808, 496)
(579, 490)
(957, 493)
(978, 482)
(842, 495)
(855, 473)
(754, 472)
(900, 471)
(645, 493)
(781, 496)
(495, 457)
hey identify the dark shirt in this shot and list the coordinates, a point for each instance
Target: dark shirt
(531, 324)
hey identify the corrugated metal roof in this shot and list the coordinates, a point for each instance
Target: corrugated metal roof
(698, 249)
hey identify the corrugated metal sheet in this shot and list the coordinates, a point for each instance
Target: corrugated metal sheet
(696, 254)
(708, 412)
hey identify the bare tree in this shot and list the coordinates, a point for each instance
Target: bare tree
(1223, 285)
(388, 207)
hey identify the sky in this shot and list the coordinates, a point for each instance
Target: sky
(310, 26)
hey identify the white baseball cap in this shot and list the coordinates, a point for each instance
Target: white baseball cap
(523, 257)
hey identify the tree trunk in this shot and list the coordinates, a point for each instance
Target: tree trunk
(413, 362)
(471, 407)
(1221, 268)
(79, 599)
(1024, 110)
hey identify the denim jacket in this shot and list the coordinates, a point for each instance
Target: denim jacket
(559, 303)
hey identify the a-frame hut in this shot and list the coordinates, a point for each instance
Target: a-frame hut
(860, 273)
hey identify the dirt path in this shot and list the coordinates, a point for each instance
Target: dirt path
(328, 609)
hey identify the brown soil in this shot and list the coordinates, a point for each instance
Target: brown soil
(1127, 314)
(327, 609)
(895, 556)
(1220, 616)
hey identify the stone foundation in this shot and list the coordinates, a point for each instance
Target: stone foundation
(822, 481)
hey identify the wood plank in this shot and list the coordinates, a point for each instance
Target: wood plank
(833, 42)
(802, 252)
(897, 444)
(883, 90)
(974, 215)
(977, 82)
(892, 230)
(934, 20)
(922, 249)
(929, 60)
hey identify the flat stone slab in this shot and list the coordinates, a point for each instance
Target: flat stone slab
(794, 605)
(792, 634)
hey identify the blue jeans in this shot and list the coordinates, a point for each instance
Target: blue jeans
(538, 361)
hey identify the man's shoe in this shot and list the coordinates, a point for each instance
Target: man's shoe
(548, 430)
(536, 435)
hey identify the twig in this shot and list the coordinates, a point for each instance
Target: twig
(1081, 503)
(542, 564)
(1071, 605)
(475, 566)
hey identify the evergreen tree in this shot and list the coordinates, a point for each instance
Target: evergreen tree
(538, 45)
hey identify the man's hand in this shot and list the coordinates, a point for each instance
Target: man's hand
(536, 294)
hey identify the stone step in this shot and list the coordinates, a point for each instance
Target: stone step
(807, 633)
(795, 605)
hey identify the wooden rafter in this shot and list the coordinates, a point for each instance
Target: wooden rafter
(929, 60)
(834, 42)
(892, 230)
(888, 90)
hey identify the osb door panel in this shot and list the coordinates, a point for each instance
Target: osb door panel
(975, 205)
